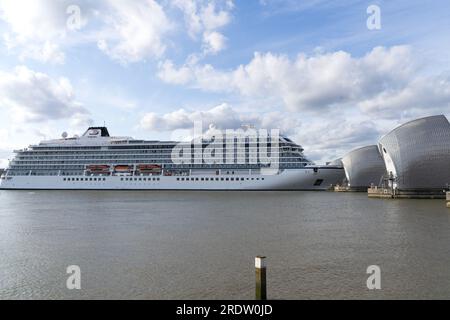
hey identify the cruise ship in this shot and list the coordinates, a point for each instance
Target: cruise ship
(98, 161)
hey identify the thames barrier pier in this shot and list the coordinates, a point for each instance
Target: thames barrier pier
(387, 193)
(417, 156)
(411, 161)
(363, 168)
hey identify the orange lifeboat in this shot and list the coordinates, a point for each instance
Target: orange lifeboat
(123, 168)
(98, 168)
(149, 168)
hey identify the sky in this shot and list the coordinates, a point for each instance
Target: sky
(331, 75)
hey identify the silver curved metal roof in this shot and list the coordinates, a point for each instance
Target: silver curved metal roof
(363, 166)
(418, 153)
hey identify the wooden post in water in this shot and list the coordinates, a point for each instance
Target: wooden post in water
(447, 198)
(260, 271)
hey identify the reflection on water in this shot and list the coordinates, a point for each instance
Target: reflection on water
(201, 245)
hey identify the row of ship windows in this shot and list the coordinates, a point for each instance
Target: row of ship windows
(169, 160)
(81, 164)
(158, 179)
(218, 179)
(83, 155)
(14, 171)
(104, 179)
(84, 179)
(150, 152)
(154, 151)
(242, 152)
(32, 160)
(166, 166)
(224, 144)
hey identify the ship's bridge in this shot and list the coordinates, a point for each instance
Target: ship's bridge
(93, 132)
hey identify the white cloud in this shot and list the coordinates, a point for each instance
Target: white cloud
(331, 139)
(206, 18)
(32, 96)
(192, 19)
(170, 74)
(421, 94)
(81, 121)
(222, 116)
(36, 106)
(5, 145)
(214, 19)
(382, 81)
(323, 140)
(47, 53)
(37, 19)
(4, 156)
(213, 42)
(204, 77)
(35, 28)
(135, 30)
(127, 31)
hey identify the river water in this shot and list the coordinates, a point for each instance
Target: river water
(201, 245)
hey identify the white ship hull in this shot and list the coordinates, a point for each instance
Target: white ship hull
(291, 179)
